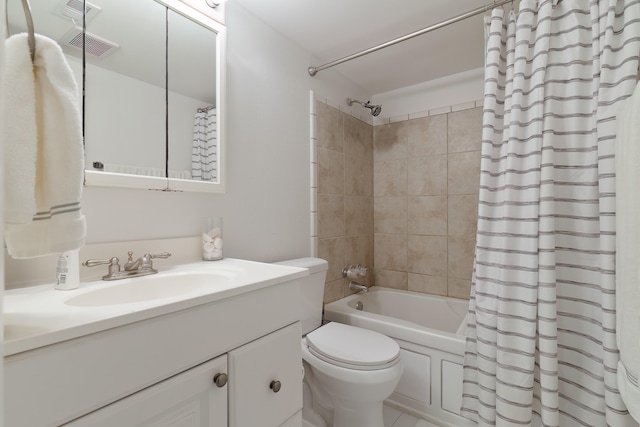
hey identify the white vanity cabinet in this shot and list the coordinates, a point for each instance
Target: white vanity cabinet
(160, 371)
(265, 380)
(190, 399)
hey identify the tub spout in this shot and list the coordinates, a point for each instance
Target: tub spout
(354, 286)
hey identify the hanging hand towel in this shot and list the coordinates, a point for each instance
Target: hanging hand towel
(44, 156)
(628, 251)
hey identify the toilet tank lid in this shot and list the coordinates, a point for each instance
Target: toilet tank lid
(315, 265)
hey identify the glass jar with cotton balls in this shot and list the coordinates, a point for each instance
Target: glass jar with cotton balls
(212, 238)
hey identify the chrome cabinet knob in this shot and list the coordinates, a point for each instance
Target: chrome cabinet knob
(220, 379)
(275, 385)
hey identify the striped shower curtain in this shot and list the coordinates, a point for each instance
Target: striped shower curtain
(204, 154)
(541, 347)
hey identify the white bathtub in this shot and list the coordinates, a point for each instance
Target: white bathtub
(432, 352)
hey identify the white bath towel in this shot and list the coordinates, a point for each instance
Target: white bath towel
(44, 155)
(628, 251)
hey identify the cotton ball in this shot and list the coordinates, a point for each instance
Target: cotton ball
(217, 243)
(215, 232)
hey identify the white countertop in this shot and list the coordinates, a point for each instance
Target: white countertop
(38, 316)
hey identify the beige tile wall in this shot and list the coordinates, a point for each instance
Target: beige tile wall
(426, 175)
(400, 198)
(345, 195)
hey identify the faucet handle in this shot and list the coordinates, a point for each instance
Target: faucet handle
(93, 262)
(146, 259)
(354, 272)
(114, 264)
(362, 270)
(160, 255)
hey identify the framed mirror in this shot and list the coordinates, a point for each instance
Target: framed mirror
(125, 92)
(153, 83)
(193, 104)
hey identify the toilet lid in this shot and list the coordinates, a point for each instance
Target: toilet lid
(353, 347)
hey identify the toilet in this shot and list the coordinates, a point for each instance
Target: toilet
(349, 371)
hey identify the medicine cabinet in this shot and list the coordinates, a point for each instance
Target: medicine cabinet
(153, 75)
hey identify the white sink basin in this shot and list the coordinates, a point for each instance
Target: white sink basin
(149, 288)
(37, 316)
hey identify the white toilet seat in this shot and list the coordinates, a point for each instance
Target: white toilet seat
(353, 348)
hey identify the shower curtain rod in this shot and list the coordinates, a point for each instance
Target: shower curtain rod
(314, 70)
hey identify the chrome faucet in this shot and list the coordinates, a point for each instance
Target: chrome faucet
(140, 267)
(143, 263)
(355, 286)
(353, 273)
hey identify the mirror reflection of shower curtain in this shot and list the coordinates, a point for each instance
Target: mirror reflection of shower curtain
(204, 155)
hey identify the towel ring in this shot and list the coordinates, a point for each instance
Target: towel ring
(30, 29)
(31, 34)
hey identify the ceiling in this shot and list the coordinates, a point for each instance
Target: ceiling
(332, 29)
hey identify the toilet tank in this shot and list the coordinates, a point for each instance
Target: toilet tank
(311, 291)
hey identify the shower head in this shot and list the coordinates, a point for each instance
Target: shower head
(375, 109)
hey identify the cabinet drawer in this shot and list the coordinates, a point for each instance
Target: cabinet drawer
(190, 399)
(265, 384)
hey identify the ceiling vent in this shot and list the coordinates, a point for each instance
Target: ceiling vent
(96, 46)
(72, 9)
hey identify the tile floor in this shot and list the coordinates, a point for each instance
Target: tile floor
(395, 418)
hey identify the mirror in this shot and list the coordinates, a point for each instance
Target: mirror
(153, 89)
(193, 112)
(124, 84)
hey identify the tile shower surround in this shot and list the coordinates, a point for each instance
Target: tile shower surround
(400, 197)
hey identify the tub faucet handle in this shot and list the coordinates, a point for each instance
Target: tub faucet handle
(354, 272)
(349, 272)
(362, 270)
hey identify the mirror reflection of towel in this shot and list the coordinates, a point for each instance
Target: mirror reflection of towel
(44, 155)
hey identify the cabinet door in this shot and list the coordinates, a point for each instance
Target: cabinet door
(189, 399)
(265, 381)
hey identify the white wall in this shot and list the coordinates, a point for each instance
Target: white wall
(433, 95)
(266, 207)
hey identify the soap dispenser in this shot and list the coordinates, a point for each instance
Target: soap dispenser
(68, 271)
